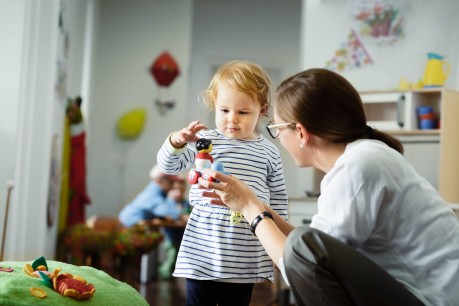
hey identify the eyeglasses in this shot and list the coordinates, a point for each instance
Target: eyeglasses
(274, 129)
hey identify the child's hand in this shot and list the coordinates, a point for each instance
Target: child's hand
(187, 134)
(176, 194)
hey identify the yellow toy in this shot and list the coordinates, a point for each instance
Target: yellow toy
(131, 124)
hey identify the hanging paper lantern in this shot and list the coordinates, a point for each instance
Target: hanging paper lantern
(164, 69)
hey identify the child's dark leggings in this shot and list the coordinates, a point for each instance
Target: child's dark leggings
(325, 271)
(211, 293)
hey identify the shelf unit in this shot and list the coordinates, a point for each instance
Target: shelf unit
(395, 112)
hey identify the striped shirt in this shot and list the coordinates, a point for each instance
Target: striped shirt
(212, 248)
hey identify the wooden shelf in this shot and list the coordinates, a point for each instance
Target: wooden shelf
(419, 90)
(394, 111)
(413, 132)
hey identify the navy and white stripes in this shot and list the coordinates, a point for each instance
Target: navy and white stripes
(213, 248)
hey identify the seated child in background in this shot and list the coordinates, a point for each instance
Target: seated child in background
(162, 198)
(174, 235)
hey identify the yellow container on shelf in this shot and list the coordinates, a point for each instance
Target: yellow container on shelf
(436, 71)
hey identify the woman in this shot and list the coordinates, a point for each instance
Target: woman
(382, 234)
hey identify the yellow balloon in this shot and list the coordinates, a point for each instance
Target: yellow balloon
(130, 125)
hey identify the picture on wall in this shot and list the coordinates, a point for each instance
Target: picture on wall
(379, 21)
(350, 55)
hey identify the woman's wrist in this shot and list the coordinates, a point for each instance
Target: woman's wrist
(252, 210)
(265, 214)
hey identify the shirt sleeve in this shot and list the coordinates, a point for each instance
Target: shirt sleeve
(149, 203)
(278, 191)
(168, 208)
(348, 205)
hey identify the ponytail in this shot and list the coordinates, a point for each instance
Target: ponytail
(386, 138)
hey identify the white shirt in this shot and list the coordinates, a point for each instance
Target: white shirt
(374, 200)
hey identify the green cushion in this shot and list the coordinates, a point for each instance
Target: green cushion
(14, 287)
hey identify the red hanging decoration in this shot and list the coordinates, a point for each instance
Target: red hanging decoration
(164, 69)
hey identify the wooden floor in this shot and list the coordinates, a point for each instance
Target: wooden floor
(172, 293)
(160, 292)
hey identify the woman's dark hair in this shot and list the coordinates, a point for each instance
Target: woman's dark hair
(328, 106)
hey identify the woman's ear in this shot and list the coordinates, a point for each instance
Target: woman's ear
(303, 135)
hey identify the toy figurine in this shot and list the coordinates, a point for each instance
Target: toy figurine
(203, 160)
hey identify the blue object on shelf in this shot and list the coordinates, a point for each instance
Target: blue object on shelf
(427, 124)
(422, 110)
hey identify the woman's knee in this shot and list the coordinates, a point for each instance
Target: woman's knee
(298, 245)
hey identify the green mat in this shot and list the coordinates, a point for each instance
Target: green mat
(14, 287)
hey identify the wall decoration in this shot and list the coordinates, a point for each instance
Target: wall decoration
(62, 56)
(350, 55)
(164, 71)
(379, 21)
(78, 196)
(130, 125)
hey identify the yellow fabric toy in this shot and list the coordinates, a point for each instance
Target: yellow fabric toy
(130, 125)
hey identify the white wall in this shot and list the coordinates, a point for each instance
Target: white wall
(11, 33)
(429, 26)
(129, 36)
(12, 14)
(264, 31)
(75, 21)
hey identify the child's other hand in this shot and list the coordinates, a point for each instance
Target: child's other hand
(187, 134)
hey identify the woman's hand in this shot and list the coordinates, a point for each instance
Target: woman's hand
(240, 198)
(233, 193)
(187, 134)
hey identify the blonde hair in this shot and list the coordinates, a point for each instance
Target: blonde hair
(243, 76)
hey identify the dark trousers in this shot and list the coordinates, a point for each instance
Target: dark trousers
(211, 293)
(174, 236)
(324, 271)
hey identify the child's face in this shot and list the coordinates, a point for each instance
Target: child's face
(236, 113)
